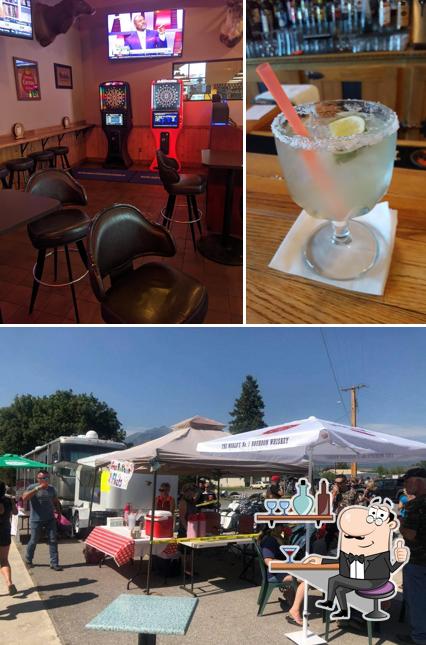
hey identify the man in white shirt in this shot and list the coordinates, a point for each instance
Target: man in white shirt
(144, 38)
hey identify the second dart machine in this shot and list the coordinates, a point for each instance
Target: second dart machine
(166, 116)
(116, 111)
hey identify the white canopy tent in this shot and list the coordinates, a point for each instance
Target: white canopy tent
(315, 441)
(176, 453)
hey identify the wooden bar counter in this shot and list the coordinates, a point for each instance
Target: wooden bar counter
(274, 297)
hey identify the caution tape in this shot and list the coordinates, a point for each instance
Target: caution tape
(212, 538)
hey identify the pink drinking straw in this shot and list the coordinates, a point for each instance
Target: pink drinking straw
(322, 179)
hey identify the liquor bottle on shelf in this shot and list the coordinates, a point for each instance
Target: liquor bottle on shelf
(402, 15)
(280, 16)
(384, 14)
(254, 23)
(267, 16)
(303, 501)
(323, 499)
(291, 12)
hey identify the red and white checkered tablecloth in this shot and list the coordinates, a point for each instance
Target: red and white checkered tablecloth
(120, 547)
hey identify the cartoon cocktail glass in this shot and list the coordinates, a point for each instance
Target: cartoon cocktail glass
(353, 143)
(271, 505)
(283, 505)
(289, 550)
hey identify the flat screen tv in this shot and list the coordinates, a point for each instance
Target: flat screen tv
(16, 19)
(145, 34)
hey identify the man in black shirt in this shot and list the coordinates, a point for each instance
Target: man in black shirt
(413, 530)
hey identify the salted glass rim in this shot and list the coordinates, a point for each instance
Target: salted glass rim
(389, 125)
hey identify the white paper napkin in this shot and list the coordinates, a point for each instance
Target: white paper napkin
(289, 257)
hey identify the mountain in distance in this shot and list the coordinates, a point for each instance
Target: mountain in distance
(144, 436)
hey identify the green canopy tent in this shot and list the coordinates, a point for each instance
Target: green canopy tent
(15, 461)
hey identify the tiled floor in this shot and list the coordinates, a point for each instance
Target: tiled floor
(54, 305)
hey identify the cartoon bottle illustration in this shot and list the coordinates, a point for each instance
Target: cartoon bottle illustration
(303, 500)
(323, 499)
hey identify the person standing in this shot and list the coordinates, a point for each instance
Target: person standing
(164, 501)
(275, 490)
(413, 530)
(43, 502)
(7, 508)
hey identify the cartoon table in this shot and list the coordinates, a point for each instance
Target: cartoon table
(317, 575)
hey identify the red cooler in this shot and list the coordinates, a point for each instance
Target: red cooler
(163, 524)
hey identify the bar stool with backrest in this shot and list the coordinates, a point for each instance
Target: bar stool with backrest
(149, 294)
(42, 158)
(180, 184)
(4, 174)
(62, 153)
(59, 229)
(20, 165)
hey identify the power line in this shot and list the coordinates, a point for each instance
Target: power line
(333, 371)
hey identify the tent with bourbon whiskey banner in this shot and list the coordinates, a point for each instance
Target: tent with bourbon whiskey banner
(312, 440)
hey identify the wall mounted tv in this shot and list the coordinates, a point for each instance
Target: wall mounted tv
(145, 34)
(15, 18)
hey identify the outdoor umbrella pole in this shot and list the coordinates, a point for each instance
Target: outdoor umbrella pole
(151, 532)
(307, 539)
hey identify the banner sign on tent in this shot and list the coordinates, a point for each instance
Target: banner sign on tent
(120, 473)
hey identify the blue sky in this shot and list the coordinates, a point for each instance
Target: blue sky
(153, 376)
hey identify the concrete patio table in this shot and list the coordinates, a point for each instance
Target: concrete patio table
(147, 616)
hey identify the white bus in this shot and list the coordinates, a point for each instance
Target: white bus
(62, 455)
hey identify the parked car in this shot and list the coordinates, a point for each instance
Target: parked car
(260, 485)
(388, 487)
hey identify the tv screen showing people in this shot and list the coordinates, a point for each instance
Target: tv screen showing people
(15, 18)
(145, 34)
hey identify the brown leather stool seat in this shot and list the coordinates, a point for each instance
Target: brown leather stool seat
(64, 226)
(42, 156)
(20, 164)
(61, 152)
(188, 185)
(180, 184)
(4, 174)
(59, 229)
(154, 293)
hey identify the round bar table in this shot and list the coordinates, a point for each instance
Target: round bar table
(223, 247)
(17, 208)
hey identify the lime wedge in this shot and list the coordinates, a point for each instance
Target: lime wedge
(347, 127)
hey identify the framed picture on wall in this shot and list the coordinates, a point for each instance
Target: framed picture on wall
(63, 76)
(27, 79)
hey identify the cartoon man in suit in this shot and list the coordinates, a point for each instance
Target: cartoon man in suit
(144, 38)
(365, 559)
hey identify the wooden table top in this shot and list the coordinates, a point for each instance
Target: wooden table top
(230, 159)
(281, 565)
(17, 208)
(273, 297)
(8, 141)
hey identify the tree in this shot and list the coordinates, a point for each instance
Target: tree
(248, 408)
(35, 420)
(329, 475)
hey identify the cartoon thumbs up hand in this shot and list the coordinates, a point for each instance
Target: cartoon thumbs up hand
(400, 552)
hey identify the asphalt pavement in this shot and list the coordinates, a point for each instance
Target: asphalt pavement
(54, 607)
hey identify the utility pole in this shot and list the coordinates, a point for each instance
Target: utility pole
(353, 389)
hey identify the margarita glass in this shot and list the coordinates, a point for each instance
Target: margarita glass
(353, 143)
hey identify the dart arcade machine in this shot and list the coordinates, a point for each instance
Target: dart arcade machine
(166, 116)
(116, 111)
